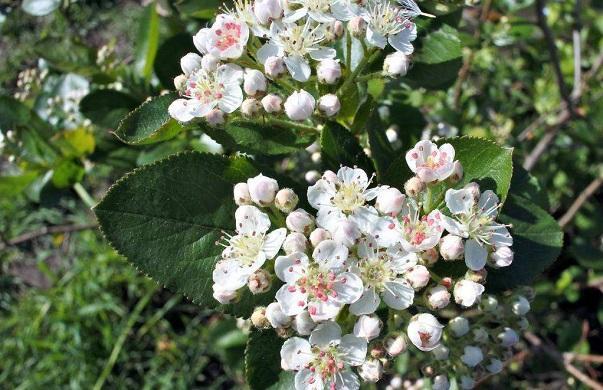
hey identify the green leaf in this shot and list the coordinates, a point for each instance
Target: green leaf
(537, 241)
(252, 138)
(68, 55)
(196, 9)
(340, 147)
(382, 152)
(14, 185)
(440, 46)
(434, 76)
(66, 173)
(106, 107)
(166, 217)
(527, 186)
(262, 362)
(167, 62)
(75, 143)
(484, 162)
(150, 122)
(15, 114)
(147, 42)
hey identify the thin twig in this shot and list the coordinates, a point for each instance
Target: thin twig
(583, 357)
(45, 231)
(580, 200)
(544, 142)
(577, 44)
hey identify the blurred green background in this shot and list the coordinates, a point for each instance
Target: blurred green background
(74, 314)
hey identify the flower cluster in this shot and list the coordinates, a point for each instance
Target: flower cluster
(265, 55)
(366, 249)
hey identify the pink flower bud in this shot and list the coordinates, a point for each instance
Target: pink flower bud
(286, 200)
(395, 345)
(368, 327)
(414, 186)
(319, 235)
(250, 107)
(452, 247)
(396, 64)
(330, 176)
(241, 194)
(430, 256)
(357, 26)
(295, 242)
(300, 221)
(254, 82)
(334, 31)
(371, 370)
(424, 331)
(390, 201)
(190, 63)
(215, 117)
(328, 71)
(274, 67)
(502, 257)
(418, 276)
(262, 189)
(438, 297)
(272, 103)
(300, 105)
(259, 282)
(267, 10)
(312, 176)
(329, 105)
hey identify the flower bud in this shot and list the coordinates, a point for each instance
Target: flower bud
(368, 327)
(300, 221)
(459, 326)
(489, 304)
(190, 63)
(215, 117)
(414, 186)
(480, 335)
(424, 331)
(272, 103)
(377, 351)
(334, 31)
(467, 293)
(371, 370)
(395, 64)
(274, 67)
(259, 282)
(258, 318)
(521, 306)
(357, 26)
(473, 189)
(391, 134)
(276, 317)
(502, 257)
(508, 338)
(438, 297)
(254, 82)
(457, 172)
(395, 345)
(210, 62)
(295, 242)
(495, 366)
(467, 382)
(300, 105)
(430, 256)
(303, 323)
(286, 200)
(250, 107)
(440, 382)
(267, 10)
(241, 194)
(312, 176)
(329, 105)
(452, 247)
(390, 201)
(262, 189)
(477, 276)
(318, 235)
(328, 71)
(441, 352)
(418, 276)
(284, 333)
(347, 233)
(180, 82)
(224, 296)
(472, 356)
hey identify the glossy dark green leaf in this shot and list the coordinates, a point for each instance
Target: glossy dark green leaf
(340, 147)
(167, 62)
(440, 46)
(434, 76)
(106, 107)
(262, 362)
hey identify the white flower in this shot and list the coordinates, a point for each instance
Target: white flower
(429, 162)
(424, 331)
(368, 327)
(414, 186)
(205, 90)
(344, 196)
(244, 12)
(295, 242)
(295, 44)
(495, 366)
(459, 326)
(272, 103)
(300, 221)
(390, 201)
(396, 64)
(323, 286)
(227, 38)
(440, 382)
(276, 317)
(472, 356)
(246, 252)
(323, 361)
(328, 71)
(241, 194)
(475, 220)
(329, 105)
(382, 273)
(371, 370)
(303, 323)
(508, 337)
(316, 10)
(521, 306)
(467, 292)
(300, 105)
(267, 10)
(386, 24)
(254, 82)
(262, 189)
(452, 247)
(438, 297)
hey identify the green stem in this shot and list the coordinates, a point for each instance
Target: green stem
(370, 76)
(366, 60)
(348, 47)
(289, 124)
(84, 195)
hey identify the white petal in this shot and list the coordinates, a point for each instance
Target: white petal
(347, 381)
(295, 354)
(308, 380)
(273, 242)
(180, 110)
(401, 41)
(298, 68)
(329, 218)
(320, 17)
(326, 333)
(454, 227)
(320, 194)
(501, 236)
(323, 53)
(475, 255)
(267, 51)
(353, 175)
(399, 294)
(375, 39)
(354, 349)
(232, 98)
(250, 219)
(387, 232)
(330, 254)
(229, 275)
(291, 299)
(349, 287)
(459, 201)
(488, 202)
(365, 217)
(290, 268)
(324, 310)
(367, 303)
(293, 16)
(402, 260)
